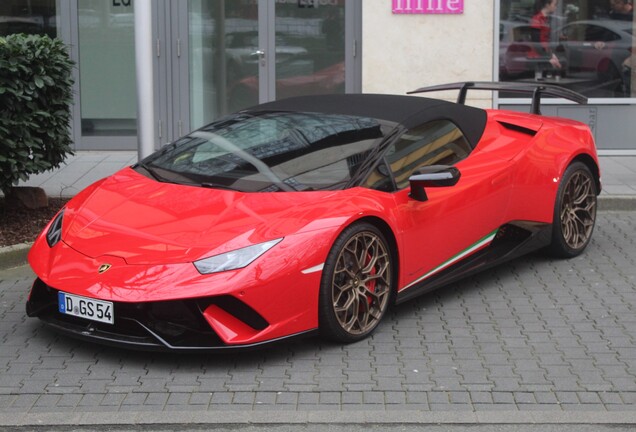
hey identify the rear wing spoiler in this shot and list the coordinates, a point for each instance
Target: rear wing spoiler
(537, 90)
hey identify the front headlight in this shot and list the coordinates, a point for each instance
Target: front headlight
(54, 234)
(235, 259)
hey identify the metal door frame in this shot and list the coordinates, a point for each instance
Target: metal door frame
(171, 70)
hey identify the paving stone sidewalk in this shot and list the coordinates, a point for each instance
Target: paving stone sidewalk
(533, 334)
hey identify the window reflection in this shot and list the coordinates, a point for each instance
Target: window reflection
(223, 40)
(107, 68)
(313, 33)
(584, 45)
(30, 17)
(436, 143)
(271, 151)
(309, 52)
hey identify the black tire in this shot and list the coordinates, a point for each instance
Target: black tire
(574, 212)
(359, 267)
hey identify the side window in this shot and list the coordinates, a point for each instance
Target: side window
(597, 33)
(435, 143)
(574, 33)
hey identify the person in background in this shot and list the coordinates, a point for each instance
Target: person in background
(622, 10)
(540, 24)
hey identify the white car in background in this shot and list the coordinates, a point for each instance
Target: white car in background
(596, 50)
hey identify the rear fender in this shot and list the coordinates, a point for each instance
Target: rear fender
(537, 172)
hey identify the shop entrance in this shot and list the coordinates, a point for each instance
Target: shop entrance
(212, 57)
(245, 52)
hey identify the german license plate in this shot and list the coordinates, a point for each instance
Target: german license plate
(84, 307)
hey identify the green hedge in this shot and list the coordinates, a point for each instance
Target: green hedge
(35, 99)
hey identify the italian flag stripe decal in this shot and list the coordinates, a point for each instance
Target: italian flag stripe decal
(468, 251)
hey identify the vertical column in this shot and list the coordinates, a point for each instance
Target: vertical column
(144, 76)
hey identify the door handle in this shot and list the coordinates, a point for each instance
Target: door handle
(261, 56)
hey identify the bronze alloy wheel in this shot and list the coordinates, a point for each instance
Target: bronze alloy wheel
(574, 211)
(357, 284)
(578, 210)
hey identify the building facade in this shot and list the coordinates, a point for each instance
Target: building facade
(212, 57)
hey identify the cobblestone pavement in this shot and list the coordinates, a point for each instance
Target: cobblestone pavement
(337, 428)
(534, 334)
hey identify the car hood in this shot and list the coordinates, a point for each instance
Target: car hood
(148, 222)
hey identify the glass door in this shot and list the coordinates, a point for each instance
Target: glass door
(245, 52)
(309, 47)
(225, 47)
(105, 53)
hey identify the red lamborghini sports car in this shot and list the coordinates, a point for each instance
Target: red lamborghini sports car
(312, 215)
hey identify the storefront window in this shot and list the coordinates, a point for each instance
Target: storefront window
(30, 17)
(310, 47)
(107, 68)
(584, 45)
(223, 40)
(228, 54)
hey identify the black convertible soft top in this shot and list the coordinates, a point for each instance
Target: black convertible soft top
(408, 111)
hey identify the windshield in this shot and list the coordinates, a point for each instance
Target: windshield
(268, 152)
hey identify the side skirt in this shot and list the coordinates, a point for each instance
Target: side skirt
(511, 241)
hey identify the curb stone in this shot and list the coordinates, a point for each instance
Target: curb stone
(14, 256)
(317, 417)
(617, 203)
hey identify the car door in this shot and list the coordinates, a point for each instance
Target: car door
(456, 220)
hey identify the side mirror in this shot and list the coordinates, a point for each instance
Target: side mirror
(432, 176)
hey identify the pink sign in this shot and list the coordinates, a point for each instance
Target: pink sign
(428, 6)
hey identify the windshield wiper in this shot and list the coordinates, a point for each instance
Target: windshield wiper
(246, 156)
(210, 185)
(152, 172)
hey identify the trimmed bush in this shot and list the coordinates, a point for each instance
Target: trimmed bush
(35, 99)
